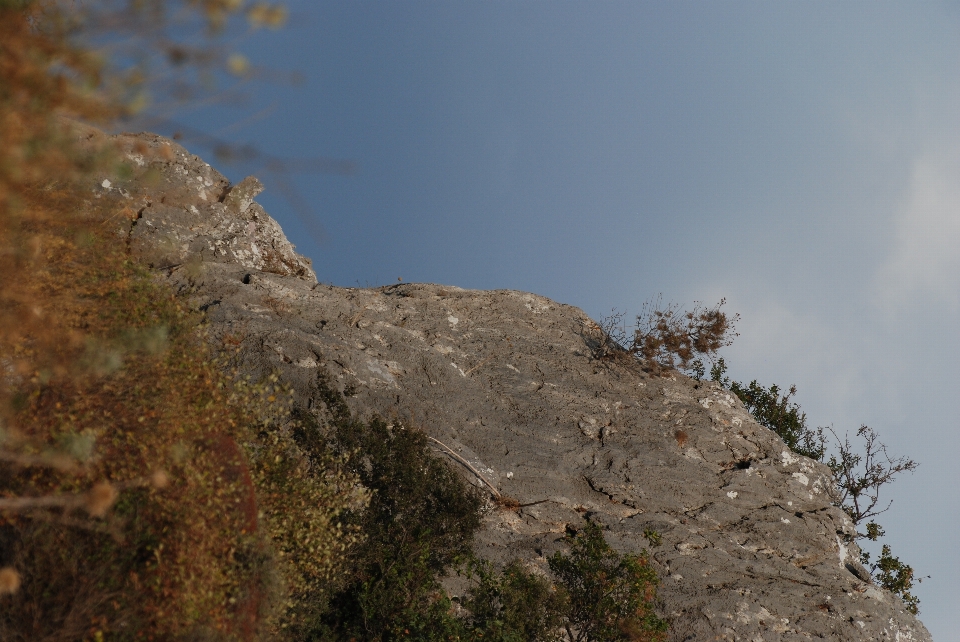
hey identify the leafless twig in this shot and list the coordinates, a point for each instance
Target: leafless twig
(860, 476)
(466, 463)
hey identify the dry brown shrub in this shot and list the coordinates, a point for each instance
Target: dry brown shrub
(666, 338)
(669, 338)
(143, 493)
(143, 490)
(506, 502)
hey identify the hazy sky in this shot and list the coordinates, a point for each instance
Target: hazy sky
(800, 159)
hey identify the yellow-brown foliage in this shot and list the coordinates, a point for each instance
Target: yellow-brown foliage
(42, 77)
(666, 338)
(145, 493)
(132, 505)
(146, 490)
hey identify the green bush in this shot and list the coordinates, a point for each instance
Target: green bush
(773, 410)
(514, 605)
(419, 526)
(895, 576)
(420, 522)
(611, 596)
(599, 596)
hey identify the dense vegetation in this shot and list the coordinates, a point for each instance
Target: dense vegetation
(123, 435)
(419, 523)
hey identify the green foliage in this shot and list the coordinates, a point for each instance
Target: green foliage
(653, 537)
(895, 576)
(611, 596)
(600, 596)
(300, 500)
(420, 521)
(514, 606)
(420, 524)
(774, 411)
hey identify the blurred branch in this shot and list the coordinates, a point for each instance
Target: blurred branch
(277, 168)
(58, 462)
(96, 501)
(231, 152)
(249, 120)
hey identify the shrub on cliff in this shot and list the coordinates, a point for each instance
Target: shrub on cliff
(774, 410)
(666, 338)
(420, 521)
(611, 596)
(129, 503)
(860, 472)
(514, 605)
(599, 596)
(420, 525)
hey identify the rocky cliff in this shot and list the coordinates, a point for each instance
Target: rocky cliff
(752, 548)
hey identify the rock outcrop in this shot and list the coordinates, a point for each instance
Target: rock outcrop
(752, 548)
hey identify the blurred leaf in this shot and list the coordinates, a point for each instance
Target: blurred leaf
(238, 64)
(78, 446)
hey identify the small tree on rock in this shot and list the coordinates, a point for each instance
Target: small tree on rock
(610, 595)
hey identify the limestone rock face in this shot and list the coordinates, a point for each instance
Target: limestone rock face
(188, 213)
(752, 547)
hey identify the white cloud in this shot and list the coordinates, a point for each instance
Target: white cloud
(924, 266)
(779, 345)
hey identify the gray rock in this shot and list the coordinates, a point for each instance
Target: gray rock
(239, 197)
(187, 213)
(752, 545)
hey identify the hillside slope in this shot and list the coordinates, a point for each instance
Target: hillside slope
(752, 546)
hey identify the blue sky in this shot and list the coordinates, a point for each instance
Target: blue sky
(800, 159)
